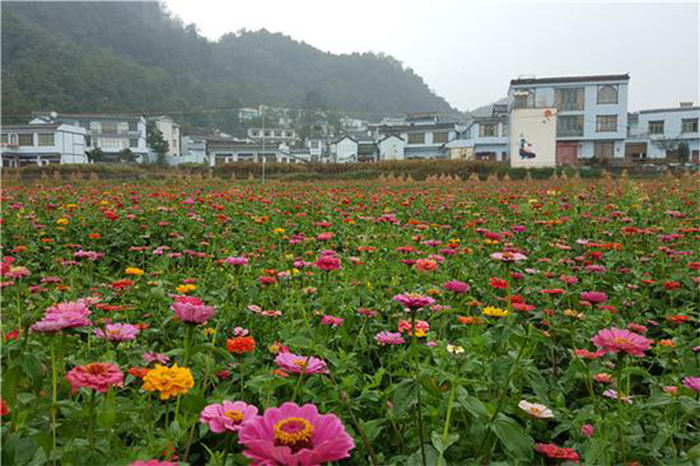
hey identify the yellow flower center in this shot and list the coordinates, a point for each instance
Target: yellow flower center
(535, 411)
(294, 432)
(300, 362)
(235, 415)
(622, 341)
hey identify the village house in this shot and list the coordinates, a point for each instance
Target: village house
(658, 133)
(42, 144)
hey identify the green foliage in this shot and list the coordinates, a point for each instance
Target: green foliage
(156, 141)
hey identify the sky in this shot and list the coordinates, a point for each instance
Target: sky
(467, 51)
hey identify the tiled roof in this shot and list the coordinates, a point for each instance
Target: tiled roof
(571, 79)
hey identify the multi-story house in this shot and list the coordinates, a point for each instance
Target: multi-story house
(248, 113)
(230, 150)
(42, 144)
(110, 132)
(591, 113)
(171, 134)
(485, 138)
(273, 135)
(658, 133)
(194, 150)
(425, 134)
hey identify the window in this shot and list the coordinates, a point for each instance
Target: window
(524, 98)
(656, 127)
(606, 123)
(571, 125)
(26, 139)
(289, 134)
(488, 130)
(315, 144)
(607, 94)
(268, 134)
(604, 150)
(174, 144)
(255, 133)
(88, 140)
(133, 142)
(85, 124)
(3, 138)
(133, 126)
(689, 125)
(245, 157)
(111, 143)
(46, 139)
(109, 127)
(440, 137)
(416, 138)
(278, 133)
(569, 98)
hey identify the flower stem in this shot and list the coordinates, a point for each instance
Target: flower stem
(418, 413)
(54, 395)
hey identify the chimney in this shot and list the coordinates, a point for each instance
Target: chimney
(686, 104)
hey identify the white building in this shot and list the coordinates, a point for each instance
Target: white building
(273, 135)
(391, 147)
(42, 144)
(110, 132)
(591, 113)
(344, 150)
(194, 150)
(657, 133)
(171, 134)
(229, 150)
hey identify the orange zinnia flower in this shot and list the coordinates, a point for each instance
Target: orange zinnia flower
(240, 345)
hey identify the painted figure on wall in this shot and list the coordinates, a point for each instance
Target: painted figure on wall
(525, 149)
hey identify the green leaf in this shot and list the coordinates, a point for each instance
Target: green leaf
(438, 441)
(299, 342)
(475, 407)
(513, 437)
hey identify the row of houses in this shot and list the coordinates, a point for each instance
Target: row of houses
(544, 122)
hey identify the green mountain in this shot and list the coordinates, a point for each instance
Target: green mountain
(136, 57)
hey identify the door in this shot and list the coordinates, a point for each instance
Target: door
(567, 153)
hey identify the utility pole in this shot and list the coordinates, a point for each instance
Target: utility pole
(264, 157)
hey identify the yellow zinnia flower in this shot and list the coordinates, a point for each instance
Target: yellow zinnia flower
(169, 381)
(133, 271)
(63, 221)
(494, 312)
(184, 289)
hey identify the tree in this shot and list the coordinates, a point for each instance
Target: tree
(95, 155)
(156, 141)
(683, 152)
(667, 144)
(127, 156)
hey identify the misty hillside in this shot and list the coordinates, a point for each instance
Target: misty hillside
(136, 57)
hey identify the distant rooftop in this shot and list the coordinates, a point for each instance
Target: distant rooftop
(673, 109)
(571, 79)
(97, 116)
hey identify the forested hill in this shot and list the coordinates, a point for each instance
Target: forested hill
(136, 57)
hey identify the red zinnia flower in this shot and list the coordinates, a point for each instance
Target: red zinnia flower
(240, 345)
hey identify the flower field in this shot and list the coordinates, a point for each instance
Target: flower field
(212, 322)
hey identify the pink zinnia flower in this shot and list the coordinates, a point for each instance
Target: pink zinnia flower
(294, 363)
(295, 435)
(227, 416)
(155, 357)
(508, 256)
(193, 313)
(594, 297)
(98, 376)
(328, 262)
(237, 260)
(456, 286)
(614, 340)
(332, 321)
(692, 383)
(413, 301)
(613, 395)
(587, 430)
(426, 265)
(389, 338)
(65, 315)
(118, 332)
(152, 463)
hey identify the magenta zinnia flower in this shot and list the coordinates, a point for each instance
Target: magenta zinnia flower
(594, 297)
(227, 416)
(413, 300)
(295, 435)
(118, 332)
(98, 376)
(692, 383)
(389, 338)
(294, 363)
(456, 286)
(614, 340)
(328, 262)
(155, 357)
(193, 313)
(152, 463)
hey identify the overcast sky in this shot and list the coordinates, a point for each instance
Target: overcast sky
(467, 51)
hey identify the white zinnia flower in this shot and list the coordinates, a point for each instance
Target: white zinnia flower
(536, 410)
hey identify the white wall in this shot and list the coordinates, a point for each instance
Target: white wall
(539, 131)
(345, 150)
(391, 149)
